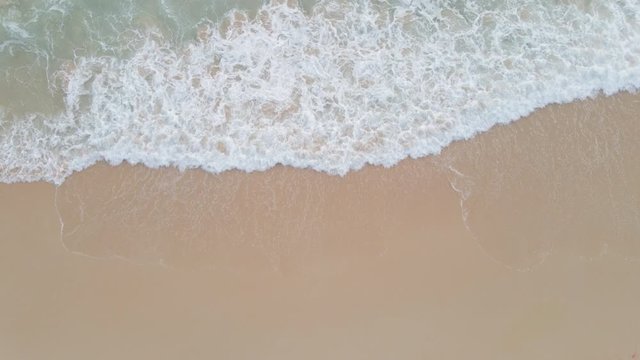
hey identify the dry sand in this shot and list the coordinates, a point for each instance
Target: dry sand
(522, 243)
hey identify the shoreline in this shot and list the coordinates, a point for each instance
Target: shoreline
(443, 167)
(511, 243)
(595, 97)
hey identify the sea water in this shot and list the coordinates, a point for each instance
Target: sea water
(330, 85)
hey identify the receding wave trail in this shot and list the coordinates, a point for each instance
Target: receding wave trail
(347, 84)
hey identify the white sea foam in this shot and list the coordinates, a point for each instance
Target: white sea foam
(349, 84)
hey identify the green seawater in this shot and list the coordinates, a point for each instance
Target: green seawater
(39, 37)
(331, 85)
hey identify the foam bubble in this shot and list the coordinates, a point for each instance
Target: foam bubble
(349, 84)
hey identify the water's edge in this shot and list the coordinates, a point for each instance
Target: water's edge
(332, 89)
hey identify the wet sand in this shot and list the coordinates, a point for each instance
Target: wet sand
(521, 243)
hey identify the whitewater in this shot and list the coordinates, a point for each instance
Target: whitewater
(331, 87)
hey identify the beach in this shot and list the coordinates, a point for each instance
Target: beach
(521, 242)
(319, 179)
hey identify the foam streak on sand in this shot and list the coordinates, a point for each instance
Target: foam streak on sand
(348, 84)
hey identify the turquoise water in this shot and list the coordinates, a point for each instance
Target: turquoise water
(39, 36)
(328, 85)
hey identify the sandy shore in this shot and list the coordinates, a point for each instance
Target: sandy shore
(522, 243)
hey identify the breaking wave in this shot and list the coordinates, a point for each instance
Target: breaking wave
(345, 84)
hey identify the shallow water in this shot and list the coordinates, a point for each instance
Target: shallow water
(331, 86)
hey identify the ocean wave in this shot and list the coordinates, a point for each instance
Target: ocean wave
(332, 89)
